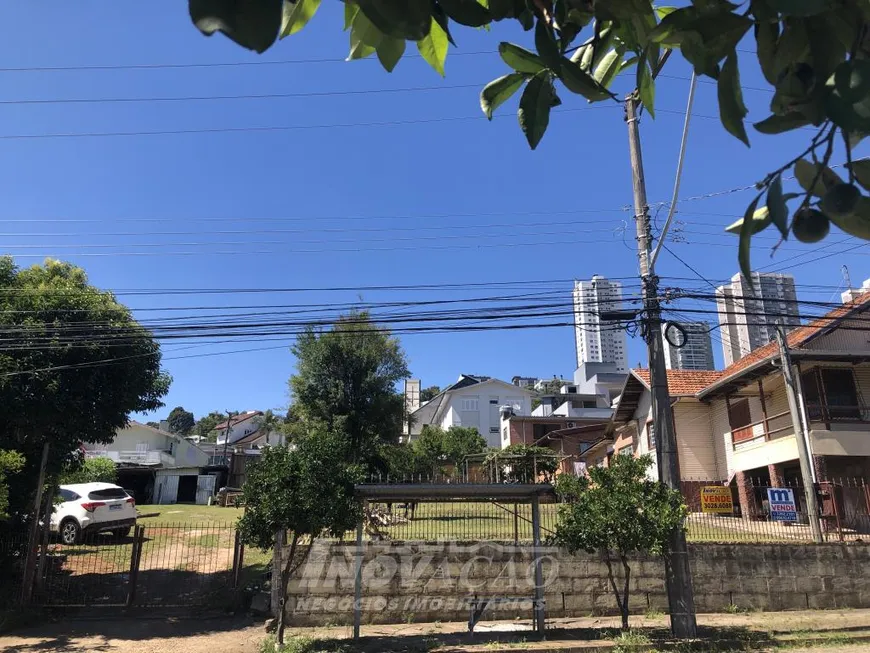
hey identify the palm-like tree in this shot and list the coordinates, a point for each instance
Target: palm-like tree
(269, 423)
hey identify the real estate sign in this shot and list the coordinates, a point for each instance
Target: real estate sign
(716, 499)
(782, 505)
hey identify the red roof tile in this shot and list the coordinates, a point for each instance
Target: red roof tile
(683, 382)
(797, 337)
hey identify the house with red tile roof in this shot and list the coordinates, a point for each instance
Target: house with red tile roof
(734, 426)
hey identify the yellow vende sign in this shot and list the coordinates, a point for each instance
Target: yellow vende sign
(716, 499)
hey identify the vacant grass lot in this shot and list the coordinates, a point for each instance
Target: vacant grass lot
(483, 520)
(161, 515)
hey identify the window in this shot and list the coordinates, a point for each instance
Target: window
(830, 394)
(494, 402)
(739, 418)
(650, 435)
(68, 495)
(108, 493)
(470, 404)
(627, 450)
(493, 429)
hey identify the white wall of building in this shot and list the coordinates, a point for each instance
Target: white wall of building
(136, 439)
(597, 342)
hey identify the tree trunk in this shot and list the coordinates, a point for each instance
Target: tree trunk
(622, 605)
(285, 581)
(627, 571)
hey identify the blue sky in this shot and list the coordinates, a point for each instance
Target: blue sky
(426, 157)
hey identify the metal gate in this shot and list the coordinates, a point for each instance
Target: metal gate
(175, 565)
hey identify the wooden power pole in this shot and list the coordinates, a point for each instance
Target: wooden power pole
(678, 575)
(800, 434)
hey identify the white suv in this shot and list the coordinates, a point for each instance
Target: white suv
(91, 508)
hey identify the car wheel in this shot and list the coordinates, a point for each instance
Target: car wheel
(70, 531)
(122, 532)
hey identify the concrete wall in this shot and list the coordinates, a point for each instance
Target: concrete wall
(433, 581)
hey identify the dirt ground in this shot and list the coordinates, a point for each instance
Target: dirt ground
(846, 631)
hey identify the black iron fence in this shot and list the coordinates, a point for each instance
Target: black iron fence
(167, 565)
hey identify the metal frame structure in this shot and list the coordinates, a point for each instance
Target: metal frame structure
(423, 493)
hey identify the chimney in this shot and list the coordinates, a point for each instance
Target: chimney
(164, 425)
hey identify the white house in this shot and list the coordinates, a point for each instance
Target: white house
(473, 401)
(156, 466)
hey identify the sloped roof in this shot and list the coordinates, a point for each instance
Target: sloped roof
(238, 419)
(682, 383)
(796, 338)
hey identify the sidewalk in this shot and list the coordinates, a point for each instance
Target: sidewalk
(846, 631)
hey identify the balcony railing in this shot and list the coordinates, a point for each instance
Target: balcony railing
(837, 414)
(769, 428)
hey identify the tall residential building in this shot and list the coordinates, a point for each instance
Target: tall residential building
(697, 351)
(597, 344)
(748, 315)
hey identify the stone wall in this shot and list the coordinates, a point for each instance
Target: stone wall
(434, 581)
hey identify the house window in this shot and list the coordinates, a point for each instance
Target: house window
(739, 418)
(650, 435)
(470, 405)
(831, 394)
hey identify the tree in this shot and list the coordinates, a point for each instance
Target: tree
(813, 53)
(523, 463)
(551, 387)
(345, 381)
(74, 365)
(11, 462)
(180, 421)
(435, 448)
(306, 491)
(206, 424)
(617, 509)
(428, 394)
(153, 425)
(90, 470)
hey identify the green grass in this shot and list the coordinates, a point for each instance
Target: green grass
(157, 515)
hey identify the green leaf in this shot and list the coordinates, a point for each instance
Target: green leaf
(746, 241)
(401, 19)
(520, 59)
(793, 46)
(661, 12)
(806, 173)
(861, 170)
(535, 105)
(390, 51)
(579, 81)
(351, 9)
(501, 9)
(364, 37)
(433, 48)
(297, 15)
(766, 35)
(777, 207)
(466, 12)
(646, 85)
(778, 124)
(673, 25)
(731, 107)
(253, 25)
(545, 43)
(498, 91)
(801, 8)
(608, 68)
(760, 222)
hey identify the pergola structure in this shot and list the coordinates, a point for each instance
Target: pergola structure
(422, 493)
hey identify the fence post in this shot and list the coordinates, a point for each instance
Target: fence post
(238, 551)
(357, 583)
(135, 558)
(539, 572)
(516, 525)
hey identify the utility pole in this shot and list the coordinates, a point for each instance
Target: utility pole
(800, 434)
(678, 575)
(30, 559)
(230, 416)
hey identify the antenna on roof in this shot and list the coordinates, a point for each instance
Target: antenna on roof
(846, 277)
